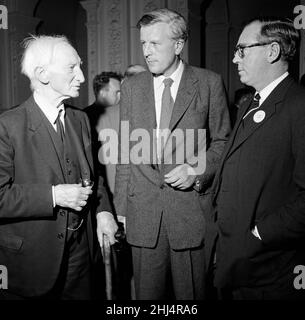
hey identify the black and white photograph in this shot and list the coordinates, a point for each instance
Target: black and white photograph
(152, 153)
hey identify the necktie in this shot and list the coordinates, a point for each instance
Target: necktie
(254, 105)
(167, 104)
(60, 127)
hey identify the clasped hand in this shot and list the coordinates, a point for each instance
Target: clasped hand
(182, 177)
(72, 196)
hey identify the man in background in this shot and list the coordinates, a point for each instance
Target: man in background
(104, 111)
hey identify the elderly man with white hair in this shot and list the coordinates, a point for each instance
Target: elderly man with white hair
(48, 192)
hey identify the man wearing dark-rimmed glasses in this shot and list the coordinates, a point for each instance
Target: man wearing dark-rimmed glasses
(240, 48)
(260, 187)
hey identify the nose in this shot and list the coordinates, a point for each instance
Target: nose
(236, 59)
(80, 76)
(146, 50)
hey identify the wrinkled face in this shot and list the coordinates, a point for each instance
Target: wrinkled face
(252, 67)
(64, 72)
(111, 94)
(159, 49)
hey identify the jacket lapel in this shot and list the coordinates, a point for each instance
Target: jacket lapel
(145, 115)
(268, 107)
(216, 182)
(186, 93)
(148, 110)
(75, 131)
(41, 139)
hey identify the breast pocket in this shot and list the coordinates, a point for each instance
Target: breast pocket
(200, 104)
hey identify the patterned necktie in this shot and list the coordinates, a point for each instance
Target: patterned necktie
(167, 105)
(59, 126)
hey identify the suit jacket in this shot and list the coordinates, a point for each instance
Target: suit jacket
(32, 232)
(268, 190)
(140, 191)
(94, 112)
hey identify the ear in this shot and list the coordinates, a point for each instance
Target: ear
(274, 53)
(41, 74)
(179, 46)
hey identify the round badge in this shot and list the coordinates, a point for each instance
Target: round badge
(259, 116)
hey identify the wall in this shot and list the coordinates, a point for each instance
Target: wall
(224, 20)
(107, 38)
(14, 86)
(113, 39)
(68, 18)
(37, 17)
(195, 47)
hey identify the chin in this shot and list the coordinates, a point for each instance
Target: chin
(154, 70)
(74, 94)
(243, 80)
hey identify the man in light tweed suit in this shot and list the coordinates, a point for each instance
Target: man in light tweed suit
(164, 203)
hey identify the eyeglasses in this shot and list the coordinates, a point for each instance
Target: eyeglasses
(240, 48)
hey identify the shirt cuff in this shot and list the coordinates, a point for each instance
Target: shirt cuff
(53, 196)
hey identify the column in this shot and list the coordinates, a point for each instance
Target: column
(302, 47)
(93, 36)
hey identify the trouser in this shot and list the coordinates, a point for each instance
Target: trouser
(164, 273)
(74, 280)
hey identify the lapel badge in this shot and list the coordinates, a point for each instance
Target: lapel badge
(259, 116)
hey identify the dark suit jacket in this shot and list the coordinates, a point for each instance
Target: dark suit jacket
(32, 232)
(268, 191)
(140, 191)
(94, 112)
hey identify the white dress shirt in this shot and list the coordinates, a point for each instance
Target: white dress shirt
(270, 87)
(49, 110)
(267, 91)
(159, 87)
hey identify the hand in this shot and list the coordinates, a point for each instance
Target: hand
(107, 226)
(182, 177)
(72, 196)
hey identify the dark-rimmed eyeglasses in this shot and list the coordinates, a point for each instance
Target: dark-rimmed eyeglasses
(239, 49)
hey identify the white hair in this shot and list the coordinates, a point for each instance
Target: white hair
(38, 52)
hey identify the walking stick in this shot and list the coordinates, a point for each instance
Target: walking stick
(119, 236)
(107, 263)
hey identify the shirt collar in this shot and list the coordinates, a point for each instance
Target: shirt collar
(175, 76)
(50, 111)
(270, 87)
